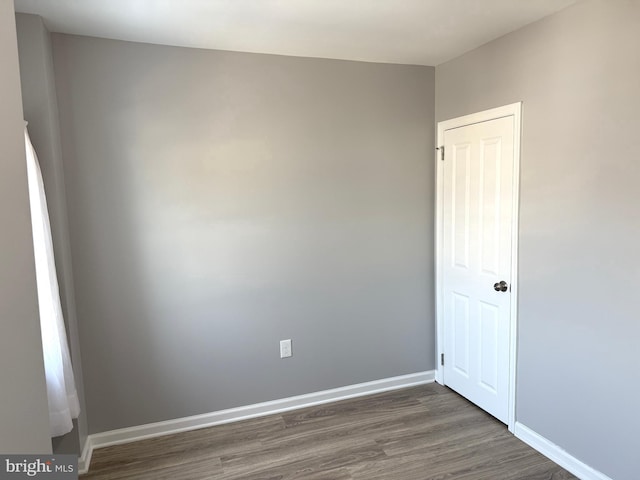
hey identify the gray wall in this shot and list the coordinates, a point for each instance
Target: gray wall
(41, 111)
(24, 419)
(578, 74)
(219, 202)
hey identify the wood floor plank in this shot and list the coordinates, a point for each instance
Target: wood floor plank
(301, 463)
(420, 433)
(222, 440)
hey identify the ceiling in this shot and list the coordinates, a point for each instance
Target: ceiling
(419, 32)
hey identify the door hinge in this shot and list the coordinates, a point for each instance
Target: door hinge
(441, 149)
(442, 359)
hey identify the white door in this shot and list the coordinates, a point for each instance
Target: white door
(477, 222)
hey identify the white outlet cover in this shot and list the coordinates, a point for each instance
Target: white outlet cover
(285, 348)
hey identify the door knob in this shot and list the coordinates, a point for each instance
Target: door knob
(501, 286)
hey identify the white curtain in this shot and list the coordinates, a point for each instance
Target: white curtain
(61, 389)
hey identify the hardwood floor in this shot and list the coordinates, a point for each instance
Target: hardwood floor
(421, 433)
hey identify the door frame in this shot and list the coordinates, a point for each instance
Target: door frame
(515, 110)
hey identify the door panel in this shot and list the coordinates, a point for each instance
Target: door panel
(461, 334)
(476, 254)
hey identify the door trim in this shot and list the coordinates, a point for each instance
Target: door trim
(515, 110)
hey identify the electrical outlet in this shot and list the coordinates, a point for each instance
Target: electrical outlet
(285, 348)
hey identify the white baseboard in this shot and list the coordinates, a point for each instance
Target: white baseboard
(150, 430)
(85, 459)
(557, 454)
